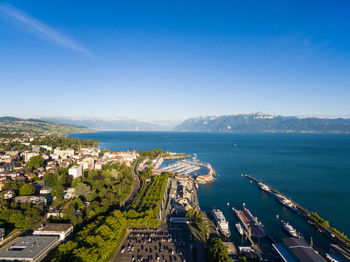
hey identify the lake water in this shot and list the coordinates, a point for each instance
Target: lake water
(313, 169)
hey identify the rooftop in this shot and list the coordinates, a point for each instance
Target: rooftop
(55, 227)
(29, 247)
(301, 250)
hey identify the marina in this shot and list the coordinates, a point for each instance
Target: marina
(339, 242)
(202, 172)
(183, 167)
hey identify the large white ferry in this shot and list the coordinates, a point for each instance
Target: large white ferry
(221, 222)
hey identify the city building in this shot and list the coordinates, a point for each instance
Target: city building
(68, 193)
(75, 171)
(62, 230)
(297, 250)
(36, 200)
(2, 183)
(8, 194)
(54, 212)
(28, 155)
(30, 248)
(63, 153)
(45, 190)
(87, 163)
(6, 167)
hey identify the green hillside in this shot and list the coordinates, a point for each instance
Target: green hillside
(17, 125)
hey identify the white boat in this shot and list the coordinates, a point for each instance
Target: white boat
(239, 228)
(289, 229)
(279, 197)
(264, 187)
(289, 204)
(286, 202)
(221, 222)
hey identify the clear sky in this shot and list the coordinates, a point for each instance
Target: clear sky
(174, 59)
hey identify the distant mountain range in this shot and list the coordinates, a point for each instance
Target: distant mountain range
(257, 122)
(114, 125)
(260, 122)
(10, 124)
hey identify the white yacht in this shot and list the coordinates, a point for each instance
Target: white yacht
(289, 229)
(286, 202)
(264, 187)
(239, 228)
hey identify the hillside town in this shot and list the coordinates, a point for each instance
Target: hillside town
(42, 189)
(55, 189)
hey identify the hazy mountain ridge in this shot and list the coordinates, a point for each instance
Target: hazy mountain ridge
(260, 122)
(112, 125)
(13, 124)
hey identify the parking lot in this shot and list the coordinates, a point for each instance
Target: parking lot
(173, 244)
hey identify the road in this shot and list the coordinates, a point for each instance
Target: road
(135, 190)
(199, 243)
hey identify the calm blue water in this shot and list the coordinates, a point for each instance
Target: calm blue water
(313, 169)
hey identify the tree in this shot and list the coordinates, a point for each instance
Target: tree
(50, 180)
(76, 181)
(12, 185)
(36, 161)
(78, 204)
(217, 252)
(27, 190)
(57, 191)
(82, 189)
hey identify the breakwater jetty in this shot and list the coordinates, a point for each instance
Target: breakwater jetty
(310, 217)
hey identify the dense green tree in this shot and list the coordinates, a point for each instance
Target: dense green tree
(78, 204)
(75, 181)
(57, 191)
(36, 161)
(197, 219)
(27, 190)
(13, 185)
(82, 189)
(217, 252)
(50, 180)
(23, 216)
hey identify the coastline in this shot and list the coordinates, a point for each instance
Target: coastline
(280, 147)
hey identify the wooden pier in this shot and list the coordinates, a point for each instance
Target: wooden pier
(327, 231)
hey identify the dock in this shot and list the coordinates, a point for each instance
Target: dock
(327, 231)
(251, 227)
(250, 223)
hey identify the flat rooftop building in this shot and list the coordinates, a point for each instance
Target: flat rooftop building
(30, 248)
(62, 230)
(296, 249)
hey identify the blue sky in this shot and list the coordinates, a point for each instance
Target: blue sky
(155, 60)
